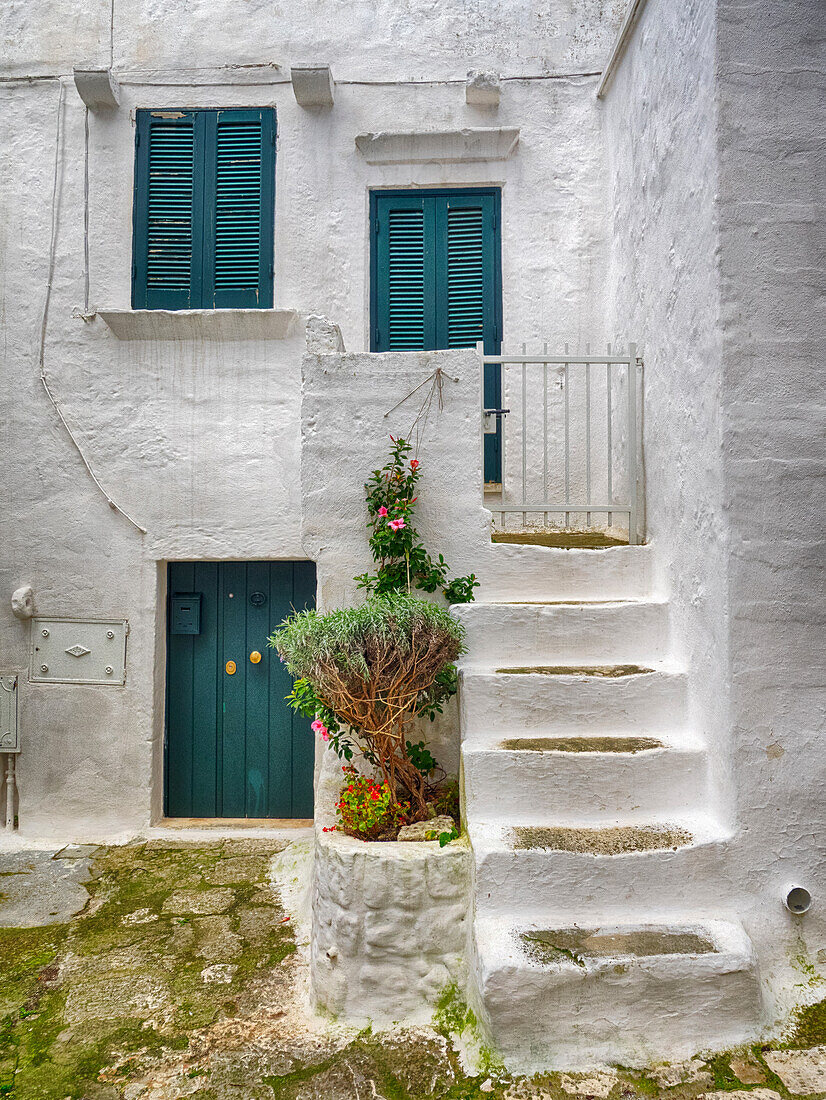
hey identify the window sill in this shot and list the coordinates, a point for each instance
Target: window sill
(201, 324)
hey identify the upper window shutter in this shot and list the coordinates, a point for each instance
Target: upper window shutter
(465, 276)
(203, 212)
(239, 225)
(435, 273)
(168, 194)
(404, 273)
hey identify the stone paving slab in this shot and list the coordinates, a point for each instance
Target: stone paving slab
(801, 1071)
(39, 888)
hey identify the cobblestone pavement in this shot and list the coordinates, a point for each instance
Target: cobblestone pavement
(165, 970)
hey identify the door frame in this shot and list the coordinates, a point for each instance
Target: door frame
(165, 592)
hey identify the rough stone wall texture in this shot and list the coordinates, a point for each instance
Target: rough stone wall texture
(389, 920)
(772, 152)
(710, 128)
(200, 439)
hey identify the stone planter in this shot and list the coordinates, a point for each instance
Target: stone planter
(389, 921)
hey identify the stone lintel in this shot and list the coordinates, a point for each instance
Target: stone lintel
(438, 146)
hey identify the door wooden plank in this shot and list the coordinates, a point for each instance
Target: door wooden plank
(205, 694)
(179, 692)
(280, 684)
(302, 740)
(233, 747)
(257, 797)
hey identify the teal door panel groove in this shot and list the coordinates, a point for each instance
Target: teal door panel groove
(435, 280)
(234, 748)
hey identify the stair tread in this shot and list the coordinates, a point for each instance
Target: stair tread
(557, 944)
(586, 744)
(596, 839)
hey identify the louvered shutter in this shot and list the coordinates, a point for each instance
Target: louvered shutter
(203, 221)
(465, 277)
(239, 225)
(168, 196)
(403, 280)
(435, 276)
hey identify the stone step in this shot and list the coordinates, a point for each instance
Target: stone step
(552, 995)
(587, 632)
(515, 572)
(571, 699)
(638, 865)
(536, 779)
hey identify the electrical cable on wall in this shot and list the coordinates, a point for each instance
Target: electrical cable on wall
(44, 322)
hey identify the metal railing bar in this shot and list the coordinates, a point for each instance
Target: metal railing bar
(587, 435)
(545, 432)
(524, 433)
(574, 360)
(568, 506)
(632, 443)
(609, 447)
(567, 443)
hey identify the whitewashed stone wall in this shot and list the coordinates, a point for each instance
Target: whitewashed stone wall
(389, 920)
(199, 438)
(713, 147)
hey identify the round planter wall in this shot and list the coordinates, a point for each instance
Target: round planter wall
(389, 920)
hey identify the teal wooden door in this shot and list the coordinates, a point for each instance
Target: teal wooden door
(436, 280)
(234, 748)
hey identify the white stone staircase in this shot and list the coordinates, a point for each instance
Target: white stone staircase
(598, 862)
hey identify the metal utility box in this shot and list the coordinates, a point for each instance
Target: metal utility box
(186, 613)
(9, 735)
(78, 651)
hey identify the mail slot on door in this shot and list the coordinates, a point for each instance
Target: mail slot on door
(186, 613)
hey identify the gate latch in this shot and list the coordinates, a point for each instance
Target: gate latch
(492, 418)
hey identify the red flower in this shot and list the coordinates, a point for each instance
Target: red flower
(414, 464)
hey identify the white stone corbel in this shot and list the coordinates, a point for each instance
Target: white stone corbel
(313, 85)
(483, 89)
(98, 88)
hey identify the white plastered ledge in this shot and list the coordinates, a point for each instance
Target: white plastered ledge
(438, 146)
(201, 324)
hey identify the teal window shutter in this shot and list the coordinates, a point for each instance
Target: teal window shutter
(435, 277)
(203, 212)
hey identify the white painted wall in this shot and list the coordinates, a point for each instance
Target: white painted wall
(709, 128)
(199, 440)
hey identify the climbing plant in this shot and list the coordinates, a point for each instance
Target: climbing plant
(403, 563)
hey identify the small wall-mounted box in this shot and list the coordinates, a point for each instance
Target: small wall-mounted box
(186, 613)
(78, 651)
(9, 735)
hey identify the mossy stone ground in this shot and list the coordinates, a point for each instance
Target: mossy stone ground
(181, 978)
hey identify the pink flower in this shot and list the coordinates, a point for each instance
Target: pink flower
(396, 524)
(317, 726)
(325, 736)
(382, 511)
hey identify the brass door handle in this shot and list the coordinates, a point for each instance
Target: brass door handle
(255, 657)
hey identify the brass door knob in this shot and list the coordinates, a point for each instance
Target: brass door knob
(255, 656)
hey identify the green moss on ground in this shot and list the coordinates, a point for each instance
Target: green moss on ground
(117, 996)
(98, 1000)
